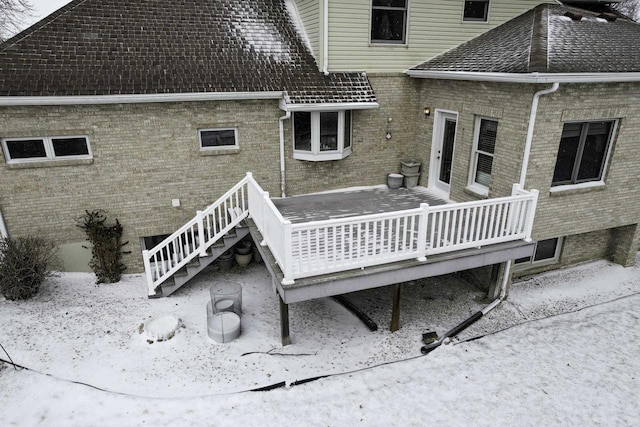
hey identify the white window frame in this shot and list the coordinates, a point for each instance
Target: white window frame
(235, 146)
(472, 184)
(315, 154)
(473, 20)
(547, 261)
(557, 188)
(405, 39)
(50, 155)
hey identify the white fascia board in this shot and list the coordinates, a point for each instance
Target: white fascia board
(335, 106)
(528, 77)
(136, 98)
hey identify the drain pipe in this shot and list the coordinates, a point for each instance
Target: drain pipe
(532, 123)
(3, 228)
(282, 174)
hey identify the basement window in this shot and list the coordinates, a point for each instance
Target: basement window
(546, 252)
(476, 11)
(38, 149)
(321, 135)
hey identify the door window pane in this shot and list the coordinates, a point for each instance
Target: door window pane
(26, 149)
(70, 146)
(302, 131)
(328, 131)
(446, 159)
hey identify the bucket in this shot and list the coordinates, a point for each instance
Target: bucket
(394, 180)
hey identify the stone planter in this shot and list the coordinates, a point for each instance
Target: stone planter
(243, 260)
(226, 260)
(243, 247)
(394, 180)
(410, 167)
(411, 179)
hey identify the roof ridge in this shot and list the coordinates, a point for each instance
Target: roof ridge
(539, 45)
(40, 24)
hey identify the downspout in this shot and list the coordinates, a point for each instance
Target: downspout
(507, 270)
(532, 124)
(3, 227)
(325, 38)
(282, 169)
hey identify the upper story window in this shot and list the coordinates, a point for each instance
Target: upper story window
(389, 21)
(321, 135)
(583, 152)
(484, 145)
(218, 139)
(22, 150)
(476, 11)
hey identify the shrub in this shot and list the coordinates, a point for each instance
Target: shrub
(106, 245)
(25, 263)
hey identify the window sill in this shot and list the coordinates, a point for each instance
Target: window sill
(586, 187)
(477, 191)
(310, 157)
(388, 44)
(49, 163)
(220, 151)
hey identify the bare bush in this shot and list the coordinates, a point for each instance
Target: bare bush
(25, 263)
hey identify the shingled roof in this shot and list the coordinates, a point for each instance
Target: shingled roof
(124, 47)
(547, 40)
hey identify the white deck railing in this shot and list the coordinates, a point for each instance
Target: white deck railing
(322, 247)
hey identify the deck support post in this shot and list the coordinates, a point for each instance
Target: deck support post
(395, 311)
(284, 322)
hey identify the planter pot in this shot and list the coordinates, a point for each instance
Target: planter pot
(394, 180)
(410, 166)
(243, 260)
(226, 260)
(243, 247)
(411, 179)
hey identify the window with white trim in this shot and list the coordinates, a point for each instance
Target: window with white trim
(218, 139)
(389, 21)
(484, 143)
(583, 152)
(321, 135)
(38, 149)
(476, 11)
(546, 252)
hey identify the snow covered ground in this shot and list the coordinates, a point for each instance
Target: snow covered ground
(562, 351)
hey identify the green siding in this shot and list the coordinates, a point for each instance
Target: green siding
(309, 11)
(435, 26)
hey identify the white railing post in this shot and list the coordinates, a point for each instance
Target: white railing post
(531, 214)
(287, 268)
(265, 206)
(201, 240)
(422, 232)
(516, 189)
(147, 270)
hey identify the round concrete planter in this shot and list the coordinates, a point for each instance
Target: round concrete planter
(394, 180)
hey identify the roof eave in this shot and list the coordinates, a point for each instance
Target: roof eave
(329, 106)
(136, 98)
(527, 77)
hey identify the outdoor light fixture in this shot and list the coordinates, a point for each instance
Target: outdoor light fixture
(388, 135)
(427, 111)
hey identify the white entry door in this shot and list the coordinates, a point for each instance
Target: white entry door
(444, 138)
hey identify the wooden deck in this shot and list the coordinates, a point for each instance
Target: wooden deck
(349, 203)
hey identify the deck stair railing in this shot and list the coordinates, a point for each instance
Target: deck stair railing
(323, 247)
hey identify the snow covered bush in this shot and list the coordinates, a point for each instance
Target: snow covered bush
(106, 245)
(25, 263)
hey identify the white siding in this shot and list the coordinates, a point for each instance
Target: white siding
(309, 11)
(435, 26)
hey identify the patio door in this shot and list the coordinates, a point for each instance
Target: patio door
(444, 138)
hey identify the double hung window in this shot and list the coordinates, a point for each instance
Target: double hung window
(483, 151)
(389, 21)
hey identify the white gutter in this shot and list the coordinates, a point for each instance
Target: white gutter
(532, 124)
(330, 106)
(136, 98)
(325, 38)
(3, 227)
(527, 77)
(282, 169)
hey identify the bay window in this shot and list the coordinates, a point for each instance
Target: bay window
(321, 135)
